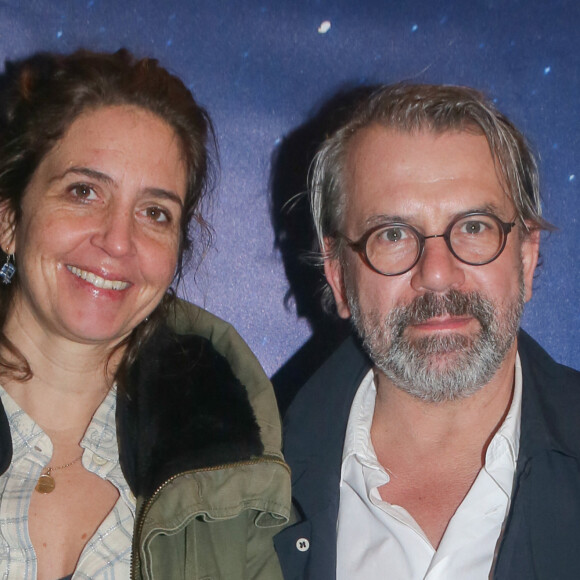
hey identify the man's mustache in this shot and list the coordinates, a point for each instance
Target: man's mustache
(453, 303)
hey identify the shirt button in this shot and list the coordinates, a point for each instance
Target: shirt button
(99, 460)
(302, 544)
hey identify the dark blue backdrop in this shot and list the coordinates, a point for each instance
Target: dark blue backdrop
(265, 69)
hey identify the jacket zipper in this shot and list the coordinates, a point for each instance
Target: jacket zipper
(140, 519)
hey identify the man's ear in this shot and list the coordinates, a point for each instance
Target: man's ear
(7, 228)
(530, 252)
(334, 276)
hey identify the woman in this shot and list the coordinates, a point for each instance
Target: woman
(138, 437)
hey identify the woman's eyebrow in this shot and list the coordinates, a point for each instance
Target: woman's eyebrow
(157, 192)
(86, 171)
(164, 194)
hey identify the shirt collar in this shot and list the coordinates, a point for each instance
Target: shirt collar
(357, 439)
(101, 436)
(358, 442)
(509, 432)
(28, 439)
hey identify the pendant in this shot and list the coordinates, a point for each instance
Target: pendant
(45, 483)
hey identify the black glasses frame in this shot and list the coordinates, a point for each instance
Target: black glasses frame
(360, 245)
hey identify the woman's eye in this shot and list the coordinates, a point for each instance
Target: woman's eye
(156, 214)
(83, 192)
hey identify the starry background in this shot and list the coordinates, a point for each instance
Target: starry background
(273, 74)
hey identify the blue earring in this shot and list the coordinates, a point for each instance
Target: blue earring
(8, 270)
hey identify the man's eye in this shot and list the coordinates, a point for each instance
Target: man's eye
(394, 234)
(83, 192)
(473, 227)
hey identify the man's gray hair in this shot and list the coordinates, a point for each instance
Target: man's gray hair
(412, 108)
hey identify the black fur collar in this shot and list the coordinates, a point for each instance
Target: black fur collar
(185, 410)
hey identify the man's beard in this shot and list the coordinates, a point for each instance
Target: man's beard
(440, 367)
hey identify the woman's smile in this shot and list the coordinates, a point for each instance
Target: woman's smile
(98, 281)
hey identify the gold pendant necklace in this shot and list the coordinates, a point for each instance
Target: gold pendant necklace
(46, 482)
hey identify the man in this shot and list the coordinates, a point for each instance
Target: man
(453, 450)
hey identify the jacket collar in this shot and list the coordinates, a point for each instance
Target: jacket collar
(321, 411)
(547, 390)
(185, 410)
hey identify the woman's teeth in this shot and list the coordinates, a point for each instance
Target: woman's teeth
(97, 280)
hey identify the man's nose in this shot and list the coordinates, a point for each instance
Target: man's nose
(438, 270)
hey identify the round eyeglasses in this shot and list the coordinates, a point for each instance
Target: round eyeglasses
(391, 249)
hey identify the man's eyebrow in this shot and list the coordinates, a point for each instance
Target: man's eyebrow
(485, 208)
(157, 192)
(379, 219)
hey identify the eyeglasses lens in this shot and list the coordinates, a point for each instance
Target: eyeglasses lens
(474, 239)
(393, 249)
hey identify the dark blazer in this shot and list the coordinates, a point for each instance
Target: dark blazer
(542, 532)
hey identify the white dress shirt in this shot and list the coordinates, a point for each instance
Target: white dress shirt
(378, 540)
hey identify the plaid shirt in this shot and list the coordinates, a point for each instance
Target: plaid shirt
(107, 555)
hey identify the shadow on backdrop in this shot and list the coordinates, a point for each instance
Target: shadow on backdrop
(295, 239)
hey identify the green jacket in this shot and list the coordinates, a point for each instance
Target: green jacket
(209, 512)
